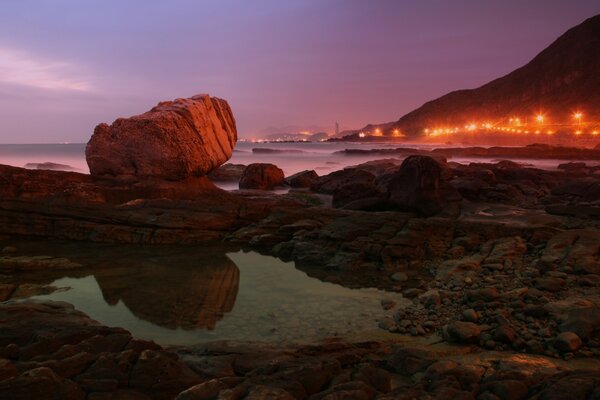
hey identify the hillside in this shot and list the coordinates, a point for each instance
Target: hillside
(562, 79)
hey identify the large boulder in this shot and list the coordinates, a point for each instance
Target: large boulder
(173, 141)
(261, 176)
(418, 186)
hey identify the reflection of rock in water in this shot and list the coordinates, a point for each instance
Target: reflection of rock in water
(173, 295)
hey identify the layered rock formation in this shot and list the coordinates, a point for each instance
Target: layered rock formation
(175, 140)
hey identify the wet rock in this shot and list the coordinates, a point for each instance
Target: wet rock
(150, 144)
(567, 342)
(302, 179)
(463, 332)
(261, 176)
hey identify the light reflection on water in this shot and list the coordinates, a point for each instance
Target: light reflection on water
(243, 296)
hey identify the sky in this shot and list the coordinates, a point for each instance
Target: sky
(283, 65)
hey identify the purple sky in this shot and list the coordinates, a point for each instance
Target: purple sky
(66, 65)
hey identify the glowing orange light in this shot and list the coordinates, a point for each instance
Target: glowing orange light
(578, 132)
(578, 115)
(550, 132)
(540, 119)
(594, 132)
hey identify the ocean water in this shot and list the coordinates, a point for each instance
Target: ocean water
(291, 157)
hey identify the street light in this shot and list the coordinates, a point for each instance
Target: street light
(578, 115)
(539, 118)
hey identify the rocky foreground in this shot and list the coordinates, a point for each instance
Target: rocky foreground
(505, 269)
(51, 351)
(499, 262)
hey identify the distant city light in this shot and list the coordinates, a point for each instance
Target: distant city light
(540, 119)
(361, 134)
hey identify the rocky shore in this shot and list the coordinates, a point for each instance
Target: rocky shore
(499, 261)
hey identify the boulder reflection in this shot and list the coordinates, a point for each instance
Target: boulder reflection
(174, 292)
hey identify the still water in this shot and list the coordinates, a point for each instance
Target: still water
(179, 296)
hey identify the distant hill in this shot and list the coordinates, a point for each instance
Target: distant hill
(561, 79)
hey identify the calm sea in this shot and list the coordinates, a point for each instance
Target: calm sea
(292, 157)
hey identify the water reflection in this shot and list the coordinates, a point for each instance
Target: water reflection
(173, 296)
(186, 295)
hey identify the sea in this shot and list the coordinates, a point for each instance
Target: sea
(323, 157)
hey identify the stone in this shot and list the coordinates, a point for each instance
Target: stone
(302, 179)
(418, 186)
(174, 140)
(505, 334)
(6, 291)
(227, 173)
(399, 277)
(567, 342)
(470, 315)
(329, 184)
(463, 332)
(261, 176)
(550, 284)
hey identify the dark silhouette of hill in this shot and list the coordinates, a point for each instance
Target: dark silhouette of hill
(563, 78)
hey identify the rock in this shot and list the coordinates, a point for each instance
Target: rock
(582, 321)
(508, 389)
(353, 194)
(157, 368)
(470, 315)
(34, 263)
(9, 250)
(302, 179)
(463, 332)
(174, 140)
(505, 334)
(388, 304)
(7, 369)
(331, 183)
(6, 291)
(261, 176)
(418, 186)
(567, 342)
(227, 173)
(587, 188)
(550, 284)
(209, 389)
(487, 294)
(399, 277)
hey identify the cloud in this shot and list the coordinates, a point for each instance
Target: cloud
(20, 68)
